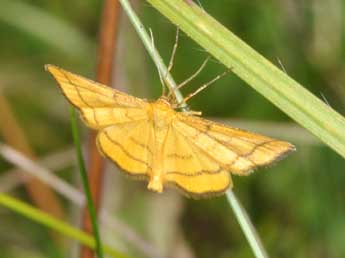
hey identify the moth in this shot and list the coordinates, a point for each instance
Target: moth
(156, 142)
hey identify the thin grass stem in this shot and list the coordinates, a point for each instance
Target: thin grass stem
(246, 226)
(147, 41)
(83, 174)
(49, 221)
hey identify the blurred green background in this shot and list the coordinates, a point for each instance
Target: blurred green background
(297, 206)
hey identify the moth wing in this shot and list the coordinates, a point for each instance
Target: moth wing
(237, 150)
(191, 170)
(129, 145)
(100, 105)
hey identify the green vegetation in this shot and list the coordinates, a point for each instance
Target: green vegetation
(296, 206)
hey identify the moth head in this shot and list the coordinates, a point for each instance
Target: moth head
(164, 102)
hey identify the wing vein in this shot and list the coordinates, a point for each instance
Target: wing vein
(90, 89)
(123, 149)
(196, 157)
(204, 151)
(77, 90)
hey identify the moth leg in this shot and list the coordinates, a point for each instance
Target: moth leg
(195, 74)
(193, 113)
(205, 86)
(172, 58)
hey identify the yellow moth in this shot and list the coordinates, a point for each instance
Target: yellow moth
(153, 141)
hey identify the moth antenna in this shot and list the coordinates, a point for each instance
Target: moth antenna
(159, 71)
(205, 85)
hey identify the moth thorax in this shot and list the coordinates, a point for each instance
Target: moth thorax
(162, 113)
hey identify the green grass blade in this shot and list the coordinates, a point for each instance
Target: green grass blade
(258, 72)
(90, 205)
(53, 223)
